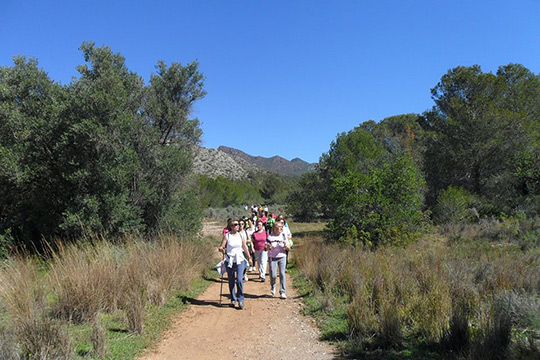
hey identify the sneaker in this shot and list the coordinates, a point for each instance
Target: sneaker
(233, 303)
(283, 296)
(241, 305)
(246, 278)
(273, 290)
(263, 279)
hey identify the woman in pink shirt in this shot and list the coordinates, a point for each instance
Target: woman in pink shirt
(258, 238)
(277, 244)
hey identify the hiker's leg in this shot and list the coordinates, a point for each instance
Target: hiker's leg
(282, 263)
(253, 258)
(263, 260)
(258, 260)
(239, 281)
(273, 272)
(231, 277)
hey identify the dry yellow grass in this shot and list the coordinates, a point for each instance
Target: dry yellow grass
(429, 290)
(83, 281)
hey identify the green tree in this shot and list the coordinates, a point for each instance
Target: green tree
(373, 189)
(270, 187)
(382, 206)
(303, 201)
(104, 154)
(171, 95)
(31, 107)
(479, 128)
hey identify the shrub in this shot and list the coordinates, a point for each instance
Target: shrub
(383, 204)
(455, 206)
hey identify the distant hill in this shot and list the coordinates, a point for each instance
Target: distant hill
(276, 164)
(213, 163)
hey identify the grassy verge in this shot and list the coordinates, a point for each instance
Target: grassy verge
(100, 300)
(121, 344)
(437, 299)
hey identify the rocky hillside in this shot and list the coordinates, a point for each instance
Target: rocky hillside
(275, 164)
(213, 162)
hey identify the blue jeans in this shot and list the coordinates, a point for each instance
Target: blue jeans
(236, 274)
(275, 266)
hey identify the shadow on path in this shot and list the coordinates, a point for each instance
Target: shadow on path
(214, 303)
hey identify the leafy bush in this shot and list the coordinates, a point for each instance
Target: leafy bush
(112, 154)
(454, 206)
(380, 207)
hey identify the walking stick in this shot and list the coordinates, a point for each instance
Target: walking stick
(221, 270)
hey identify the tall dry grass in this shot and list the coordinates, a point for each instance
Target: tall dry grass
(83, 281)
(466, 299)
(38, 335)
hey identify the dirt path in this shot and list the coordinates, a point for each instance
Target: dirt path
(268, 328)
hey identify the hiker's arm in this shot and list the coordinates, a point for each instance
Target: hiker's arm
(223, 244)
(246, 251)
(286, 244)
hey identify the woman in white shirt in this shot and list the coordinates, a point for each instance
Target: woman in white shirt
(234, 245)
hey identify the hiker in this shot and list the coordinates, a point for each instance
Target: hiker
(259, 241)
(250, 229)
(247, 240)
(264, 218)
(288, 233)
(235, 248)
(277, 244)
(270, 222)
(226, 228)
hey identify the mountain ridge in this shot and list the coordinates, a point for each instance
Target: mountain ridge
(236, 164)
(275, 164)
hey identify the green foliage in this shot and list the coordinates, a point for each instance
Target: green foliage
(368, 184)
(303, 201)
(104, 154)
(267, 188)
(478, 148)
(374, 189)
(271, 184)
(481, 129)
(383, 204)
(223, 192)
(455, 205)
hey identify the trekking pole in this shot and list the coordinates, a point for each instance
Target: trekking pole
(221, 270)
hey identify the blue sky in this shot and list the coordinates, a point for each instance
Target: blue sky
(284, 77)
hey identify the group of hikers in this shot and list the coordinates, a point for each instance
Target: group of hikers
(249, 244)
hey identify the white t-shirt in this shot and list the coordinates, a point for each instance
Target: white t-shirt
(277, 245)
(235, 252)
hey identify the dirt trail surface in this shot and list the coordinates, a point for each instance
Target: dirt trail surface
(268, 327)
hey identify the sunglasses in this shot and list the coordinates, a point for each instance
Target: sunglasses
(235, 224)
